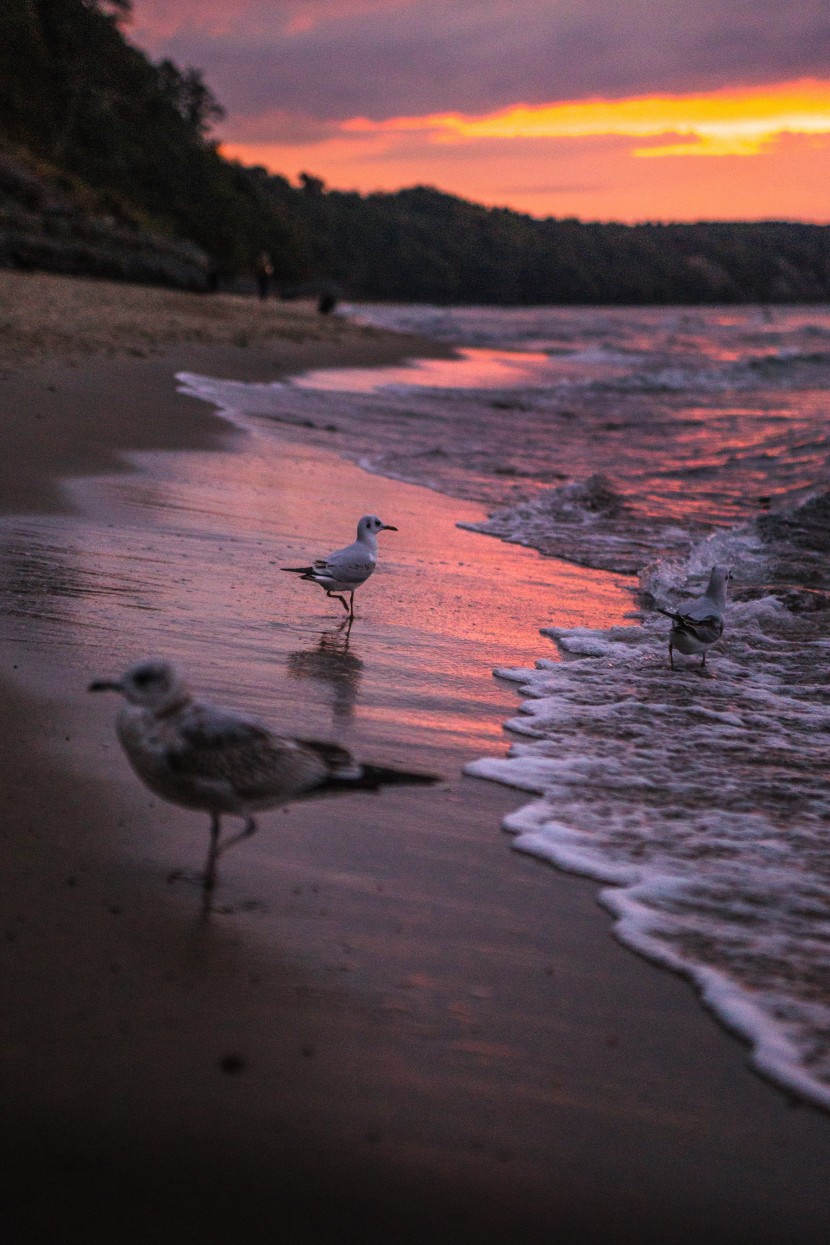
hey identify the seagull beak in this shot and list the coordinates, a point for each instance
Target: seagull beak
(387, 527)
(105, 685)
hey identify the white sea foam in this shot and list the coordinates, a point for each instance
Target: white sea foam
(701, 801)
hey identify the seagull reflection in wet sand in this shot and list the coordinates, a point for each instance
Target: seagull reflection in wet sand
(332, 662)
(201, 756)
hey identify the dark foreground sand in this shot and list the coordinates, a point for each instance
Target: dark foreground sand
(409, 1033)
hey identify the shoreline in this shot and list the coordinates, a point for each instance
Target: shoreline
(442, 1038)
(66, 340)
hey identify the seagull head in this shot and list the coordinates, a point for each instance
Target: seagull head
(719, 577)
(370, 524)
(153, 684)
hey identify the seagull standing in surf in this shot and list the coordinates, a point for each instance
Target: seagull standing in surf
(697, 627)
(346, 569)
(198, 755)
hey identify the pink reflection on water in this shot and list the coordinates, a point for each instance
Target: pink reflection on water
(474, 368)
(184, 560)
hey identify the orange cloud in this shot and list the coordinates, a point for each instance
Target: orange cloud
(718, 123)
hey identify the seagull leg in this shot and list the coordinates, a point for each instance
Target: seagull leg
(671, 655)
(337, 597)
(245, 833)
(209, 880)
(351, 604)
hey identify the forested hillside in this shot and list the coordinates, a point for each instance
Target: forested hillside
(97, 137)
(421, 245)
(107, 166)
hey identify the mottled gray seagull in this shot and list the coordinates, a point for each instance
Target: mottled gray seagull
(700, 624)
(346, 569)
(201, 756)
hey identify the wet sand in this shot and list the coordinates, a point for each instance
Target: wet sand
(393, 1028)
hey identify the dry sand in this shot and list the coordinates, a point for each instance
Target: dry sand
(44, 317)
(425, 1037)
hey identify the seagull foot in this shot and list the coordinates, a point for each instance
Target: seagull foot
(190, 877)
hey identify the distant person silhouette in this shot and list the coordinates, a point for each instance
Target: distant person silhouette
(264, 273)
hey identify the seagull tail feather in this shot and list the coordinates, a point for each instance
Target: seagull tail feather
(298, 570)
(373, 777)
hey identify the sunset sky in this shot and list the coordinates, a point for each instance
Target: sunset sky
(600, 109)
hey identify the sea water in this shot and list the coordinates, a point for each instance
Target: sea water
(655, 443)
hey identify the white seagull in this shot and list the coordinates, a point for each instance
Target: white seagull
(201, 756)
(700, 624)
(346, 569)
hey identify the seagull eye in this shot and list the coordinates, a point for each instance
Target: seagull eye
(148, 677)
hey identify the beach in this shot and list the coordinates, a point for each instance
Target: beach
(393, 1028)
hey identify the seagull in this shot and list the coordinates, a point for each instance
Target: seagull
(196, 754)
(346, 569)
(701, 623)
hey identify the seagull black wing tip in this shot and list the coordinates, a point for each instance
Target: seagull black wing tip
(374, 777)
